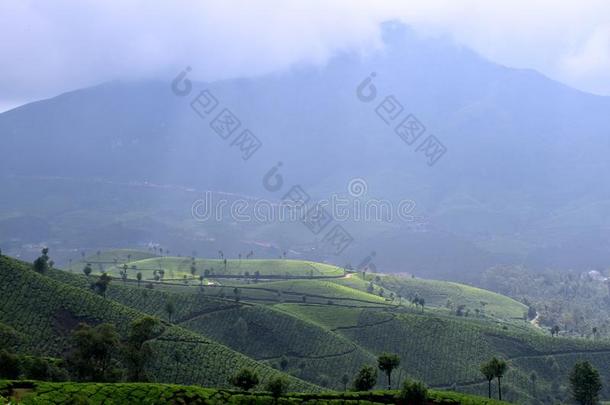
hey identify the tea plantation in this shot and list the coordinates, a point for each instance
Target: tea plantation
(314, 329)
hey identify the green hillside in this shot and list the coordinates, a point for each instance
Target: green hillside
(315, 330)
(177, 267)
(442, 294)
(43, 312)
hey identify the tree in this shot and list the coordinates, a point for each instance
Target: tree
(137, 352)
(101, 285)
(585, 383)
(387, 363)
(93, 355)
(277, 386)
(533, 378)
(41, 264)
(414, 393)
(87, 270)
(422, 303)
(284, 363)
(139, 277)
(344, 381)
(499, 367)
(555, 330)
(9, 365)
(245, 379)
(366, 379)
(170, 309)
(488, 371)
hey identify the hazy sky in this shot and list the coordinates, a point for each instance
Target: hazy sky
(49, 47)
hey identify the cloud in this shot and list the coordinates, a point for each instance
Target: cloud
(50, 47)
(591, 61)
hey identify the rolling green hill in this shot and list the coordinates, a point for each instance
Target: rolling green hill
(319, 329)
(177, 267)
(43, 312)
(445, 294)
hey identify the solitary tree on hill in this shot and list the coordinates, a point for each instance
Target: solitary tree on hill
(277, 386)
(10, 366)
(137, 352)
(494, 368)
(488, 371)
(499, 367)
(139, 277)
(344, 381)
(533, 379)
(585, 383)
(414, 393)
(101, 285)
(41, 264)
(245, 379)
(93, 353)
(387, 363)
(366, 379)
(284, 363)
(87, 270)
(170, 309)
(555, 330)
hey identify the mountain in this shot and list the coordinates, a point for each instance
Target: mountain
(522, 180)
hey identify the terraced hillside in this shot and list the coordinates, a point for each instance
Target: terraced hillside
(175, 268)
(320, 329)
(39, 314)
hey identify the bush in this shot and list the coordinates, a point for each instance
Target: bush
(244, 379)
(366, 379)
(9, 365)
(277, 386)
(413, 393)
